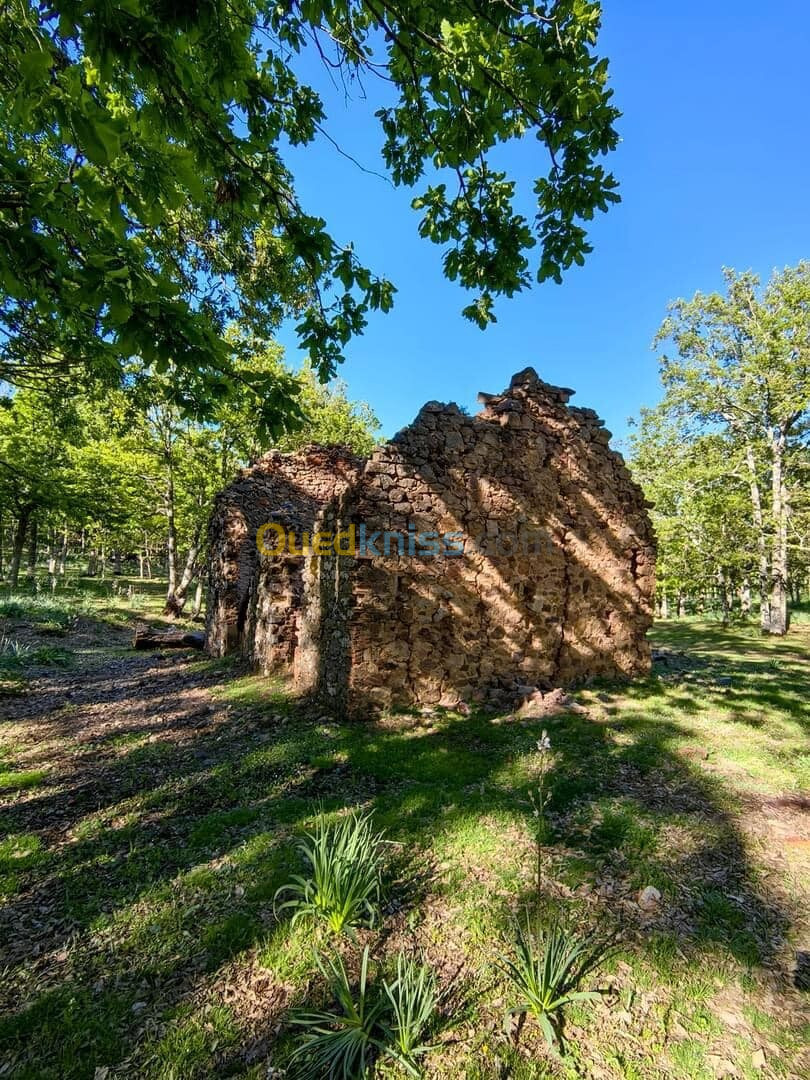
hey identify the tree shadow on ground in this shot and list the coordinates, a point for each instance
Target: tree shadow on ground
(168, 831)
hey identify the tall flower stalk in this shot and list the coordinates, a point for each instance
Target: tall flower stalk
(539, 798)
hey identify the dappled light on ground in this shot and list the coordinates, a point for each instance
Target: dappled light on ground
(164, 794)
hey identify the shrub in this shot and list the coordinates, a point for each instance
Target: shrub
(548, 965)
(343, 884)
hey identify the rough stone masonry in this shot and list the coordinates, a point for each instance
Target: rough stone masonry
(548, 579)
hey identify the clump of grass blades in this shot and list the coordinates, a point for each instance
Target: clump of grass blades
(39, 608)
(343, 883)
(345, 1041)
(412, 1000)
(13, 654)
(548, 965)
(367, 1023)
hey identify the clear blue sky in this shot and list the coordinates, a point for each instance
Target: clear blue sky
(713, 166)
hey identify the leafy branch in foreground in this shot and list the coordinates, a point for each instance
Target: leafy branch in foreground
(548, 964)
(146, 201)
(343, 884)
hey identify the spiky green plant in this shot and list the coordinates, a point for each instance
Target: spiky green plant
(13, 654)
(548, 965)
(341, 1042)
(412, 999)
(343, 883)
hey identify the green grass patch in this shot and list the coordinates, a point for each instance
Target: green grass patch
(21, 780)
(165, 887)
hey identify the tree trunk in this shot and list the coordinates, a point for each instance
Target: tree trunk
(745, 599)
(19, 544)
(63, 551)
(117, 562)
(198, 598)
(52, 558)
(176, 598)
(681, 607)
(167, 639)
(664, 605)
(762, 540)
(171, 542)
(147, 555)
(724, 597)
(32, 549)
(778, 620)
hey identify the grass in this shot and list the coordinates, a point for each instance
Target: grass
(168, 795)
(342, 884)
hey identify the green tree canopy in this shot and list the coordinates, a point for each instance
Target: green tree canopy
(736, 377)
(145, 203)
(131, 474)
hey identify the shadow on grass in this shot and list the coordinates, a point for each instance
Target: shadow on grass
(159, 854)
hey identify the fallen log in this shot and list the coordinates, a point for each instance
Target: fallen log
(145, 638)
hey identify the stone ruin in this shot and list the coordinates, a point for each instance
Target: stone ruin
(544, 575)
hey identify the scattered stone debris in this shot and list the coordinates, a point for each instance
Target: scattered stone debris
(649, 898)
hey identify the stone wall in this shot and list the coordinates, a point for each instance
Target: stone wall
(255, 603)
(545, 576)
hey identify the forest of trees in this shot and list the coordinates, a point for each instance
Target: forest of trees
(152, 242)
(724, 457)
(123, 482)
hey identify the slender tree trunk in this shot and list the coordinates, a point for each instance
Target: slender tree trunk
(664, 605)
(745, 599)
(103, 561)
(724, 598)
(171, 541)
(198, 597)
(762, 540)
(2, 549)
(175, 601)
(681, 608)
(63, 552)
(778, 622)
(52, 558)
(19, 544)
(33, 540)
(117, 562)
